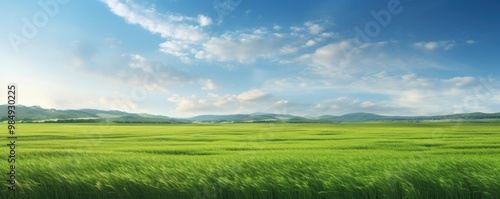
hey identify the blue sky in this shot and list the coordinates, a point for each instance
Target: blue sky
(184, 58)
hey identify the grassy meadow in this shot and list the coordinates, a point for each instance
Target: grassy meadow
(275, 160)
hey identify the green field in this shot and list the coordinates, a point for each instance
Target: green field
(277, 160)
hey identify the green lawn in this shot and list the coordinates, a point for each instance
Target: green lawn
(281, 160)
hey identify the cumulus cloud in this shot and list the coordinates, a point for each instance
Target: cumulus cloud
(310, 43)
(329, 56)
(204, 20)
(313, 28)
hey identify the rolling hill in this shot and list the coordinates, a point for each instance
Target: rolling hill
(39, 114)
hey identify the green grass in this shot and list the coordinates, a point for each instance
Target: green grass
(359, 160)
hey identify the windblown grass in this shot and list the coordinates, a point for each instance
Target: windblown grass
(360, 160)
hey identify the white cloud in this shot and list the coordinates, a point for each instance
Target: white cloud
(208, 84)
(240, 47)
(314, 28)
(222, 100)
(433, 45)
(329, 56)
(138, 61)
(343, 58)
(225, 104)
(282, 103)
(252, 95)
(177, 48)
(204, 20)
(213, 103)
(182, 32)
(288, 50)
(415, 95)
(310, 43)
(329, 34)
(148, 19)
(186, 38)
(296, 29)
(246, 46)
(185, 104)
(367, 104)
(117, 102)
(392, 94)
(460, 81)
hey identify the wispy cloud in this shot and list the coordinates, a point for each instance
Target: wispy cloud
(242, 47)
(252, 95)
(334, 60)
(343, 105)
(174, 27)
(434, 45)
(225, 7)
(444, 45)
(129, 69)
(471, 42)
(187, 39)
(208, 84)
(181, 32)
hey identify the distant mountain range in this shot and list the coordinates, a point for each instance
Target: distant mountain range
(39, 114)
